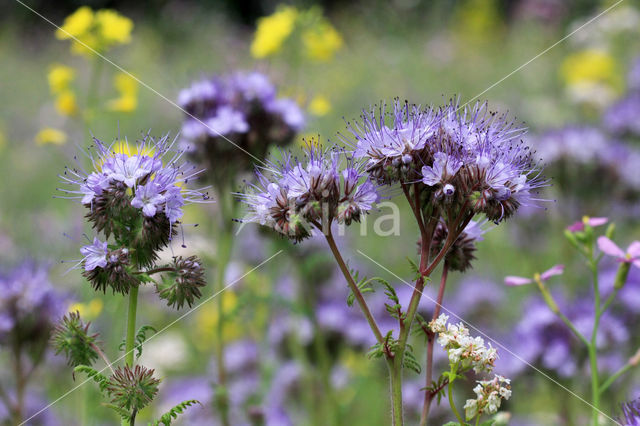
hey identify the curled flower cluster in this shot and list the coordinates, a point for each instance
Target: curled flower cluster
(461, 252)
(134, 198)
(467, 351)
(489, 396)
(290, 196)
(242, 108)
(469, 158)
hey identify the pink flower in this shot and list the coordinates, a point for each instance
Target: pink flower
(610, 248)
(517, 281)
(586, 220)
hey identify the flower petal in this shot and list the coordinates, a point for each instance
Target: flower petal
(609, 247)
(597, 221)
(634, 250)
(517, 281)
(575, 227)
(554, 270)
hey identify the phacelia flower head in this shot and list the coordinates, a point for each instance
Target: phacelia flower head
(134, 195)
(29, 305)
(293, 196)
(462, 156)
(232, 118)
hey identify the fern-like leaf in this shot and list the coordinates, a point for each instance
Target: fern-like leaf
(100, 379)
(141, 337)
(173, 414)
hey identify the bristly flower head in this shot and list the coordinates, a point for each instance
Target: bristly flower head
(72, 337)
(463, 157)
(135, 195)
(291, 196)
(182, 283)
(461, 253)
(241, 107)
(132, 389)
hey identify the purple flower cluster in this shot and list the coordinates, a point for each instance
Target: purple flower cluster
(242, 108)
(135, 197)
(469, 156)
(29, 305)
(153, 173)
(630, 413)
(290, 196)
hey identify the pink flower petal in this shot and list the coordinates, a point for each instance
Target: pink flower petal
(634, 250)
(597, 221)
(609, 247)
(636, 263)
(554, 270)
(515, 281)
(578, 226)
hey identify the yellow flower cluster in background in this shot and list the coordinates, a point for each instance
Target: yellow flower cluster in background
(272, 31)
(319, 106)
(97, 31)
(589, 66)
(314, 34)
(88, 311)
(60, 78)
(51, 136)
(127, 88)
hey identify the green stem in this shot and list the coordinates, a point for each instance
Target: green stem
(593, 351)
(396, 396)
(452, 403)
(614, 377)
(131, 326)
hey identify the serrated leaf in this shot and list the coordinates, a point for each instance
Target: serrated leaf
(173, 414)
(141, 337)
(93, 374)
(121, 411)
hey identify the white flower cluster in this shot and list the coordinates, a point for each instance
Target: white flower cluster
(489, 395)
(463, 349)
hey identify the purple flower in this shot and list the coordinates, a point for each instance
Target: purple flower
(200, 91)
(253, 86)
(622, 117)
(148, 198)
(290, 196)
(630, 413)
(518, 281)
(290, 112)
(154, 172)
(29, 303)
(226, 121)
(587, 221)
(95, 255)
(632, 255)
(444, 167)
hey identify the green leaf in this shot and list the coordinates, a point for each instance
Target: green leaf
(489, 422)
(101, 380)
(141, 337)
(173, 414)
(121, 411)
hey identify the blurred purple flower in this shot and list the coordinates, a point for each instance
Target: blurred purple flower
(95, 254)
(591, 221)
(632, 255)
(518, 281)
(622, 117)
(630, 413)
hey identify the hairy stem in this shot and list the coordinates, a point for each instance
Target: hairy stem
(354, 288)
(428, 395)
(131, 326)
(453, 404)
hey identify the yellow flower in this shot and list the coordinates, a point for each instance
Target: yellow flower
(66, 103)
(52, 136)
(319, 106)
(76, 24)
(85, 45)
(207, 320)
(272, 31)
(589, 66)
(127, 86)
(322, 41)
(88, 311)
(59, 78)
(113, 27)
